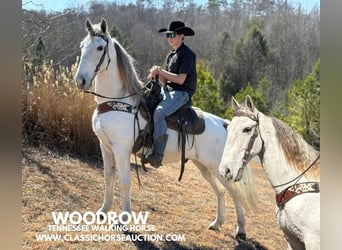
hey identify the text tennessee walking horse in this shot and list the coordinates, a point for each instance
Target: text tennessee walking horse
(291, 165)
(105, 61)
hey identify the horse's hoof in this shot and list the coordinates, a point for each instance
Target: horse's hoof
(240, 236)
(101, 213)
(213, 228)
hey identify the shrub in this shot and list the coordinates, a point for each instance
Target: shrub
(55, 113)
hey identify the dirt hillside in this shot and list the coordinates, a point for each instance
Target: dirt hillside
(51, 182)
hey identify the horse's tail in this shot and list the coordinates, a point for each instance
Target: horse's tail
(245, 190)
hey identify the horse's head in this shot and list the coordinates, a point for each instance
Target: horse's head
(243, 140)
(94, 52)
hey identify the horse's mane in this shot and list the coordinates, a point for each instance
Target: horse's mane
(296, 150)
(126, 68)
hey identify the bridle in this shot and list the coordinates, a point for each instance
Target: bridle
(97, 68)
(247, 153)
(105, 51)
(250, 144)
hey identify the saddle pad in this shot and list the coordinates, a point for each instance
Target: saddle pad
(192, 118)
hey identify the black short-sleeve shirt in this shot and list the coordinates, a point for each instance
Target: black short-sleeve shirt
(183, 60)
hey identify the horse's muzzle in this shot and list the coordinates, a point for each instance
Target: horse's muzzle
(81, 83)
(226, 173)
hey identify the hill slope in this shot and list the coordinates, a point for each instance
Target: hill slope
(51, 182)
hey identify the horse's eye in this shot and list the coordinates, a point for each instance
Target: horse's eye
(247, 129)
(100, 48)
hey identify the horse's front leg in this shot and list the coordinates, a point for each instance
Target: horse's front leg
(240, 230)
(109, 174)
(123, 165)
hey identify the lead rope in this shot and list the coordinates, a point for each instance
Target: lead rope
(136, 121)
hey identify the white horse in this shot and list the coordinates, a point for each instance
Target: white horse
(105, 61)
(291, 165)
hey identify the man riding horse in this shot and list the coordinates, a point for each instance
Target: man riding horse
(179, 80)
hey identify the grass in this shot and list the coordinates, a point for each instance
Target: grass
(55, 113)
(61, 183)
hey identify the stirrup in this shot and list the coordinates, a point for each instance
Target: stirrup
(151, 159)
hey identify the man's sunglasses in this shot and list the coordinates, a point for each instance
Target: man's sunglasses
(171, 35)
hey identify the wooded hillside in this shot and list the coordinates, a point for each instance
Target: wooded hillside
(268, 45)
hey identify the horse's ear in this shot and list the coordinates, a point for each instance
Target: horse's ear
(249, 103)
(235, 104)
(104, 25)
(89, 26)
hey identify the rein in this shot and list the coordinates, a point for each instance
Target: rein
(114, 98)
(299, 176)
(117, 98)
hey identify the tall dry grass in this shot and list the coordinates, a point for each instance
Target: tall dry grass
(55, 113)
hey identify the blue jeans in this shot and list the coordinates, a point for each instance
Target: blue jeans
(172, 101)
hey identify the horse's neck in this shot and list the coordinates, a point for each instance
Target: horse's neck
(108, 83)
(276, 167)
